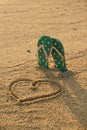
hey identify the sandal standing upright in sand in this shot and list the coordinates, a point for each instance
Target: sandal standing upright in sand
(50, 46)
(58, 54)
(44, 47)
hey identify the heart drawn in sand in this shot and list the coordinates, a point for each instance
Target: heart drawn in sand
(28, 90)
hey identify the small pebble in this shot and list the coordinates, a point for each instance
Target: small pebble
(28, 51)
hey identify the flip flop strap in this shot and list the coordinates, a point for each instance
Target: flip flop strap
(42, 46)
(57, 52)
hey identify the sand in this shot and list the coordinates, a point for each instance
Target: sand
(22, 22)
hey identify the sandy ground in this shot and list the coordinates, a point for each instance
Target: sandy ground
(22, 22)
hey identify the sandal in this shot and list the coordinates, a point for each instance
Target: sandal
(50, 46)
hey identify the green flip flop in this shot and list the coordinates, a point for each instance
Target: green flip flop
(58, 54)
(44, 46)
(50, 46)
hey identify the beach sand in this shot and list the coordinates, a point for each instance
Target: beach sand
(22, 22)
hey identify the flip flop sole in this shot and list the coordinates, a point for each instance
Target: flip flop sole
(44, 51)
(58, 54)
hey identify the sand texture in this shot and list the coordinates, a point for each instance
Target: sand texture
(22, 22)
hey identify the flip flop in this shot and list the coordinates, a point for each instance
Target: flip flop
(44, 47)
(50, 46)
(58, 54)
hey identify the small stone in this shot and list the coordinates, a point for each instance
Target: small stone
(28, 51)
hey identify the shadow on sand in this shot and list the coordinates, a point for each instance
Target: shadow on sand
(75, 97)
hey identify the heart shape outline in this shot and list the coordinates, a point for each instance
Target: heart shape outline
(34, 83)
